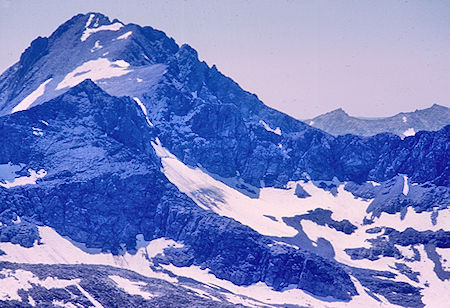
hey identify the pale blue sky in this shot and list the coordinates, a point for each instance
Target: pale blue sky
(372, 58)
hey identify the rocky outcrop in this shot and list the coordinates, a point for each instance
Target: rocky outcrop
(384, 244)
(17, 231)
(240, 131)
(115, 191)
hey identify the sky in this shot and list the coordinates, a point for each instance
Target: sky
(305, 58)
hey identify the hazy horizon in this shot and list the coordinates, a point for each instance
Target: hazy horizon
(372, 59)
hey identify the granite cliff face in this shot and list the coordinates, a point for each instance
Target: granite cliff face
(107, 188)
(117, 133)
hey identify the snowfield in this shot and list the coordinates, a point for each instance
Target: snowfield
(101, 68)
(89, 31)
(214, 195)
(29, 100)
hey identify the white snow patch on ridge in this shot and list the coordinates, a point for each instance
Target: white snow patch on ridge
(97, 46)
(405, 185)
(25, 180)
(144, 110)
(101, 68)
(31, 98)
(89, 21)
(89, 31)
(404, 119)
(269, 129)
(37, 131)
(125, 35)
(409, 132)
(132, 287)
(89, 296)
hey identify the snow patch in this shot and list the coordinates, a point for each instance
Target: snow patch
(25, 180)
(406, 251)
(31, 98)
(269, 129)
(97, 46)
(101, 68)
(409, 132)
(144, 110)
(405, 185)
(418, 221)
(89, 21)
(31, 301)
(89, 31)
(89, 296)
(444, 254)
(125, 35)
(404, 119)
(132, 287)
(37, 131)
(139, 79)
(375, 184)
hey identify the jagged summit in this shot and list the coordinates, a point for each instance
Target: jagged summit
(338, 111)
(99, 49)
(123, 60)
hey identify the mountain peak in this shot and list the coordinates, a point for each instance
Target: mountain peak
(437, 107)
(87, 85)
(338, 111)
(187, 50)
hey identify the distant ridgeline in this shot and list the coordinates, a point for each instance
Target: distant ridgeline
(112, 132)
(338, 122)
